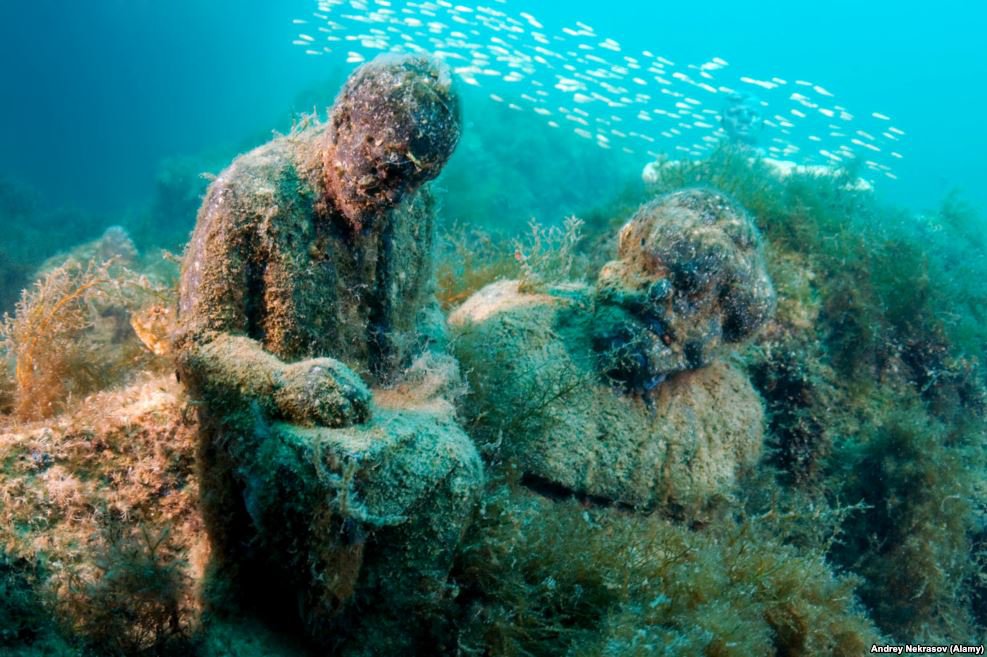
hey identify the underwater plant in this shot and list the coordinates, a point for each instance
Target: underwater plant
(70, 334)
(543, 578)
(8, 385)
(548, 254)
(467, 259)
(43, 335)
(137, 601)
(913, 544)
(470, 258)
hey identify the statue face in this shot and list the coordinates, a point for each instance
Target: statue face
(742, 119)
(373, 180)
(689, 278)
(392, 128)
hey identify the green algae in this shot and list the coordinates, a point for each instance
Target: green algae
(557, 578)
(878, 397)
(872, 382)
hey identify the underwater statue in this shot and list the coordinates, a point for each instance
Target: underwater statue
(334, 478)
(619, 393)
(742, 123)
(742, 119)
(689, 279)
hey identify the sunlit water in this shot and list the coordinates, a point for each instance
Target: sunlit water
(98, 94)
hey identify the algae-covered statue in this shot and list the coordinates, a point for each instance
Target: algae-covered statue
(618, 393)
(333, 476)
(689, 279)
(742, 119)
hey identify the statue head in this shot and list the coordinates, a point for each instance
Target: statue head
(392, 128)
(742, 119)
(690, 277)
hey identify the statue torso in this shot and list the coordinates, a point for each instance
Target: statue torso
(314, 285)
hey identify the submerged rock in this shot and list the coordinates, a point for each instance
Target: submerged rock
(121, 547)
(72, 335)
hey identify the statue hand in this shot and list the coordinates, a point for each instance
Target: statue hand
(323, 392)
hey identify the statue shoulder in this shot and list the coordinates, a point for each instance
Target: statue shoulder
(255, 184)
(502, 323)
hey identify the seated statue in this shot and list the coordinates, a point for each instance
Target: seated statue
(619, 393)
(334, 479)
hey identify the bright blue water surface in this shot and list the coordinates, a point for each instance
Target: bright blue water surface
(97, 93)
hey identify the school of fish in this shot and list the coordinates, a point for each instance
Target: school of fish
(577, 79)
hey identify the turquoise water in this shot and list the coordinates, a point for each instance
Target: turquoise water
(98, 94)
(831, 383)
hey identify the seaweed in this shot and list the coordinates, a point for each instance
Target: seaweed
(467, 260)
(8, 385)
(913, 545)
(797, 389)
(70, 334)
(43, 335)
(470, 258)
(547, 578)
(136, 603)
(548, 255)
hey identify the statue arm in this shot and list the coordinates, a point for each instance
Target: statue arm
(215, 355)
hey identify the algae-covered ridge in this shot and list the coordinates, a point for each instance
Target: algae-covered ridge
(762, 434)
